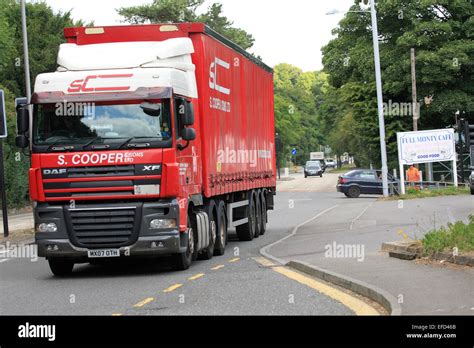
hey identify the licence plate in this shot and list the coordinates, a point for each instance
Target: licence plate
(103, 253)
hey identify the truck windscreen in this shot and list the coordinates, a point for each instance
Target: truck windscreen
(85, 124)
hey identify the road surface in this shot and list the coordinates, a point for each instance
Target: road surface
(238, 283)
(241, 282)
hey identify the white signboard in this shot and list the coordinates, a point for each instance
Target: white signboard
(316, 156)
(426, 146)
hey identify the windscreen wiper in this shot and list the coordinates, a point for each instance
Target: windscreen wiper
(97, 147)
(56, 147)
(135, 146)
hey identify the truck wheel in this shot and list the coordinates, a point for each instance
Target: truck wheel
(258, 215)
(208, 253)
(221, 237)
(354, 192)
(246, 232)
(263, 203)
(183, 261)
(61, 268)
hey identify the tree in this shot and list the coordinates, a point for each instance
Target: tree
(45, 30)
(297, 94)
(175, 11)
(441, 31)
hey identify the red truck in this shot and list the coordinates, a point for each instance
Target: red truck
(149, 141)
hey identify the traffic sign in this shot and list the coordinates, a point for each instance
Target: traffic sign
(294, 152)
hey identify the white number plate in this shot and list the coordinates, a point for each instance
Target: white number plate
(103, 253)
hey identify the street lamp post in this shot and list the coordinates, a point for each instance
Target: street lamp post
(26, 61)
(378, 82)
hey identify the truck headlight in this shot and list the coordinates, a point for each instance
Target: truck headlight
(47, 227)
(162, 223)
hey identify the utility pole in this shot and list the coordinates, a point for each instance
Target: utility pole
(415, 111)
(413, 91)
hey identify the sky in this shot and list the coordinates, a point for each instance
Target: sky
(285, 31)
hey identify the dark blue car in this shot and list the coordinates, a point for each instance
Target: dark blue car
(363, 181)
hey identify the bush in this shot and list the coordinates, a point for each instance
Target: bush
(16, 164)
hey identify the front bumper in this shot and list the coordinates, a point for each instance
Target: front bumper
(318, 173)
(141, 240)
(144, 247)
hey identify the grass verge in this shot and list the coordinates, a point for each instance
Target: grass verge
(342, 170)
(412, 193)
(458, 235)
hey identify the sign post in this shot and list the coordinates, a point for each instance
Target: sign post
(3, 135)
(426, 147)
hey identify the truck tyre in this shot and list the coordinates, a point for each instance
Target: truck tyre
(258, 215)
(208, 253)
(263, 203)
(221, 236)
(354, 192)
(61, 268)
(183, 261)
(246, 232)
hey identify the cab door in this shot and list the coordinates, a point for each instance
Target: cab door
(187, 152)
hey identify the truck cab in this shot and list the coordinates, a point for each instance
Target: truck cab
(109, 137)
(117, 136)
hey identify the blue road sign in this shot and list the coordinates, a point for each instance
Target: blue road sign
(293, 152)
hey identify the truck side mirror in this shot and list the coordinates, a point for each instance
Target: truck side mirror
(3, 116)
(22, 119)
(188, 116)
(21, 141)
(188, 134)
(22, 123)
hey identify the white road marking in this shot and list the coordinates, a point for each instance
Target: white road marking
(264, 252)
(360, 215)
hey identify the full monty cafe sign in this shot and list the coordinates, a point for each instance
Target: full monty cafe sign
(426, 146)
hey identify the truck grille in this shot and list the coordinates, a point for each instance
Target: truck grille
(80, 172)
(83, 183)
(103, 227)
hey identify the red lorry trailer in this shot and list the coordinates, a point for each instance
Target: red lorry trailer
(149, 141)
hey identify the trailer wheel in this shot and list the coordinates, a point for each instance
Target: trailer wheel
(263, 203)
(246, 232)
(221, 237)
(258, 215)
(183, 261)
(61, 268)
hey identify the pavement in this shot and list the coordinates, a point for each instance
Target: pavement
(243, 283)
(355, 230)
(18, 222)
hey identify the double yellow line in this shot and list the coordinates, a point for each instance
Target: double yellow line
(354, 304)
